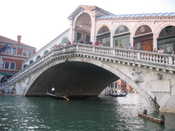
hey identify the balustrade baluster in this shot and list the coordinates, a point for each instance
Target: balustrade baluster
(170, 60)
(77, 47)
(138, 55)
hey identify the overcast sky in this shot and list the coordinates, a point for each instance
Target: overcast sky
(40, 21)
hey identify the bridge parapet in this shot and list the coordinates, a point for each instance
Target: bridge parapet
(164, 62)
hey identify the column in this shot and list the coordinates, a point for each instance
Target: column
(93, 29)
(111, 40)
(72, 32)
(155, 36)
(131, 41)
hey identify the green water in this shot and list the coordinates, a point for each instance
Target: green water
(47, 114)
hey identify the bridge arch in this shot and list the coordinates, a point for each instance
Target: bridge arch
(111, 72)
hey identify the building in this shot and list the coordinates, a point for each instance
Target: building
(94, 25)
(12, 56)
(149, 31)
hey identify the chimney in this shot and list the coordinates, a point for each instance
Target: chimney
(19, 39)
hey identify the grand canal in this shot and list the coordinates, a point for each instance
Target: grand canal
(103, 114)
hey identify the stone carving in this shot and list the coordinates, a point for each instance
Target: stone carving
(137, 75)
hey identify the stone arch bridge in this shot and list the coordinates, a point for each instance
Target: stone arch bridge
(85, 70)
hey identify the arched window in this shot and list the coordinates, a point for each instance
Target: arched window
(31, 61)
(122, 37)
(143, 39)
(38, 57)
(166, 40)
(121, 30)
(103, 36)
(12, 66)
(25, 65)
(6, 64)
(46, 52)
(65, 40)
(8, 50)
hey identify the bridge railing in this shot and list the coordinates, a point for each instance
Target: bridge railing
(157, 58)
(138, 55)
(125, 54)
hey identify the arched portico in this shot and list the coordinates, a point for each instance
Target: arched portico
(82, 29)
(121, 37)
(103, 36)
(166, 39)
(143, 39)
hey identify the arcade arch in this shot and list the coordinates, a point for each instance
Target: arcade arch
(121, 37)
(166, 39)
(103, 36)
(143, 39)
(83, 29)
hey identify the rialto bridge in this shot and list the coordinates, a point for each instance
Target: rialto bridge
(102, 48)
(85, 70)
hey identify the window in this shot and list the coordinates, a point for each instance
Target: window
(31, 61)
(46, 52)
(103, 36)
(24, 54)
(8, 51)
(29, 53)
(38, 57)
(6, 65)
(14, 51)
(12, 65)
(25, 65)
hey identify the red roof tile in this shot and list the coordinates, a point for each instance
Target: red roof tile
(8, 40)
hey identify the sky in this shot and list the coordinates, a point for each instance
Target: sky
(40, 21)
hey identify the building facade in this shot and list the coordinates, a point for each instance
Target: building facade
(94, 25)
(151, 31)
(12, 56)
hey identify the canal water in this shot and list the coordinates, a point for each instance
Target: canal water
(98, 114)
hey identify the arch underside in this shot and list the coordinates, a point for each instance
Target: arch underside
(73, 79)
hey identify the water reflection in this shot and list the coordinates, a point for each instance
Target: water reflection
(103, 114)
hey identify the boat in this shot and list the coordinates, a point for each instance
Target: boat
(153, 119)
(58, 97)
(117, 93)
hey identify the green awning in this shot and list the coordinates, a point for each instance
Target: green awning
(6, 73)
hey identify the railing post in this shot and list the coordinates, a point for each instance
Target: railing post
(113, 52)
(76, 47)
(170, 60)
(138, 55)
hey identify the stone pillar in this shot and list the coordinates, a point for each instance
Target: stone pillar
(72, 32)
(111, 41)
(93, 29)
(155, 36)
(131, 40)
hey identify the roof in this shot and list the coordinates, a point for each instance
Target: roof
(4, 39)
(88, 7)
(136, 15)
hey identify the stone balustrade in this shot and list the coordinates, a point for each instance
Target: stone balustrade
(141, 57)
